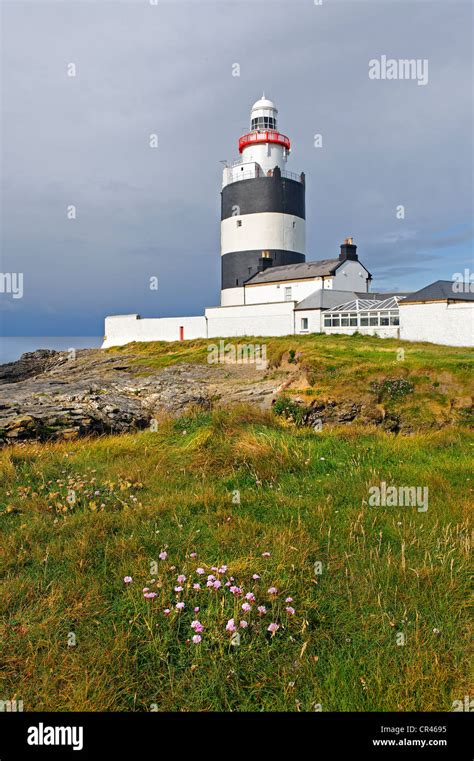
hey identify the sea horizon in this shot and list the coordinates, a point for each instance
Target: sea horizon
(12, 347)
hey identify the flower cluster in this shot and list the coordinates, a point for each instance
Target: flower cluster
(248, 601)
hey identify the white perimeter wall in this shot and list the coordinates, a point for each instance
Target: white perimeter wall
(254, 320)
(451, 325)
(122, 329)
(440, 323)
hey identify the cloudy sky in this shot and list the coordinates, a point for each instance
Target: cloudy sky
(167, 69)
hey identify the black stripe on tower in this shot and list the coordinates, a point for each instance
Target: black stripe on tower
(239, 266)
(263, 194)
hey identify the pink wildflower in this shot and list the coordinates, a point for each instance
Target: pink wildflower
(289, 599)
(197, 639)
(196, 586)
(163, 555)
(223, 569)
(265, 554)
(127, 579)
(178, 589)
(181, 578)
(262, 610)
(166, 611)
(246, 607)
(196, 610)
(180, 605)
(272, 591)
(149, 595)
(217, 584)
(290, 611)
(230, 626)
(250, 596)
(255, 577)
(200, 571)
(243, 624)
(145, 589)
(193, 555)
(273, 628)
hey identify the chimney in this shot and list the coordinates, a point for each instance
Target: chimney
(348, 251)
(264, 261)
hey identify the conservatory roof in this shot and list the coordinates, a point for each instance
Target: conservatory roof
(367, 305)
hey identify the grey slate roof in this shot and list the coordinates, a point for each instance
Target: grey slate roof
(382, 296)
(295, 271)
(324, 298)
(440, 290)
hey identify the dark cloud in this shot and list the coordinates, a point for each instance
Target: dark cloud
(167, 69)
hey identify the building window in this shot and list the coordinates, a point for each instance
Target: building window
(304, 323)
(288, 293)
(239, 223)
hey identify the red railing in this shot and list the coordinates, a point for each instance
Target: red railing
(269, 136)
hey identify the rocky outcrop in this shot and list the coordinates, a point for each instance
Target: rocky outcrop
(49, 395)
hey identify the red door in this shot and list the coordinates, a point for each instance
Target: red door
(181, 333)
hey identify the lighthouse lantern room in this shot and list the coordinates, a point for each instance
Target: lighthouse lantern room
(263, 205)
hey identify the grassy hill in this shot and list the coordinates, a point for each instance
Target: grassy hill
(378, 615)
(437, 379)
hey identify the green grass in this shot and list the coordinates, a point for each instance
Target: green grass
(303, 498)
(349, 368)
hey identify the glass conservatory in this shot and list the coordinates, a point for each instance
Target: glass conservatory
(364, 313)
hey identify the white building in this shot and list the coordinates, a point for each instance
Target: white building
(267, 286)
(441, 313)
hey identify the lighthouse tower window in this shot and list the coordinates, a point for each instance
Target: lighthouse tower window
(263, 122)
(288, 293)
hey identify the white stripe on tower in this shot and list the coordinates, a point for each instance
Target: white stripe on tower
(263, 232)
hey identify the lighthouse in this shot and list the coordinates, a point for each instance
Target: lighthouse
(263, 206)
